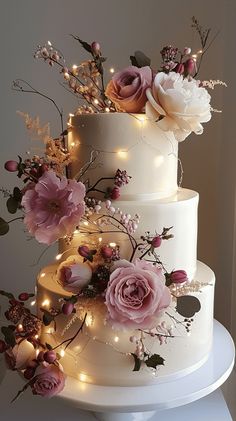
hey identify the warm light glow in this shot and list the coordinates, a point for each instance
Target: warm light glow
(76, 232)
(82, 377)
(112, 70)
(72, 144)
(158, 160)
(37, 352)
(49, 43)
(71, 115)
(86, 223)
(194, 56)
(112, 244)
(33, 303)
(66, 75)
(107, 110)
(62, 353)
(141, 118)
(122, 154)
(89, 320)
(58, 256)
(45, 303)
(116, 339)
(36, 336)
(50, 330)
(74, 67)
(100, 239)
(19, 328)
(200, 52)
(96, 101)
(42, 274)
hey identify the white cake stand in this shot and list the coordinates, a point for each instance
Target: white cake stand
(109, 403)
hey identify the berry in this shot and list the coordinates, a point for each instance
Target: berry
(50, 356)
(24, 296)
(11, 166)
(29, 373)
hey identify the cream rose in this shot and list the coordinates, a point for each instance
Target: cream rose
(178, 104)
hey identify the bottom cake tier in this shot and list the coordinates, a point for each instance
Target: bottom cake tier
(99, 354)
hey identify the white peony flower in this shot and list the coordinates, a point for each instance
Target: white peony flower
(178, 104)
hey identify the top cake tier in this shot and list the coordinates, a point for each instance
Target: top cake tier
(129, 142)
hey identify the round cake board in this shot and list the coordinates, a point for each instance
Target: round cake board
(116, 403)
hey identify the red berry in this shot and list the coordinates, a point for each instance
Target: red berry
(50, 356)
(115, 193)
(67, 308)
(24, 296)
(156, 241)
(29, 373)
(106, 251)
(11, 166)
(3, 346)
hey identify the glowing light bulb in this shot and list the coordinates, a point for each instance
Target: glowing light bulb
(71, 115)
(49, 43)
(37, 352)
(82, 377)
(58, 257)
(116, 339)
(122, 154)
(33, 303)
(42, 275)
(74, 67)
(45, 303)
(194, 56)
(50, 330)
(112, 70)
(20, 328)
(107, 110)
(36, 336)
(62, 353)
(100, 239)
(89, 320)
(112, 244)
(72, 144)
(86, 223)
(96, 101)
(76, 232)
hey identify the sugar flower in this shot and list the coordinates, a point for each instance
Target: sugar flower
(53, 207)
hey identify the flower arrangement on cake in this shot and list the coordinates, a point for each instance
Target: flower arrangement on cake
(133, 292)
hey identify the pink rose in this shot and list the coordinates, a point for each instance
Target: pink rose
(178, 276)
(20, 355)
(74, 276)
(127, 89)
(136, 295)
(49, 380)
(53, 207)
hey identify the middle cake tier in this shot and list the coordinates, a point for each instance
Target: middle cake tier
(178, 211)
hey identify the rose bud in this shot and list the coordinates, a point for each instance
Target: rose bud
(106, 252)
(156, 241)
(178, 276)
(84, 251)
(29, 373)
(67, 308)
(115, 193)
(96, 47)
(179, 68)
(3, 346)
(190, 66)
(24, 296)
(11, 166)
(50, 356)
(40, 356)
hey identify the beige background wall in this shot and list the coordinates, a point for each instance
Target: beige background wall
(121, 27)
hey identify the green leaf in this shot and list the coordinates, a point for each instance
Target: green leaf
(73, 299)
(9, 295)
(137, 362)
(154, 361)
(188, 305)
(4, 227)
(47, 317)
(17, 194)
(84, 44)
(8, 335)
(12, 204)
(139, 59)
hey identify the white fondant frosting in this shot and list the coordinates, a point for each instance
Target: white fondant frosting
(99, 354)
(128, 142)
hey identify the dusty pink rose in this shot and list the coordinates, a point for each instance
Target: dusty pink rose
(74, 276)
(20, 355)
(136, 295)
(53, 207)
(49, 380)
(178, 276)
(127, 89)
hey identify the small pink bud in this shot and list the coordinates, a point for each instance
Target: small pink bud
(187, 51)
(156, 241)
(84, 251)
(190, 66)
(50, 356)
(24, 296)
(106, 252)
(67, 308)
(11, 166)
(178, 276)
(3, 346)
(115, 193)
(179, 68)
(29, 373)
(96, 47)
